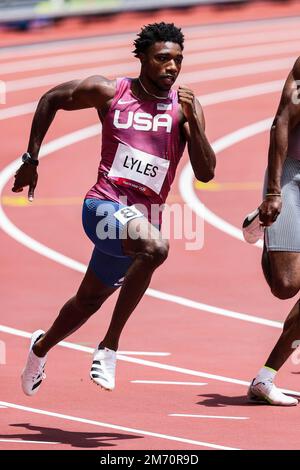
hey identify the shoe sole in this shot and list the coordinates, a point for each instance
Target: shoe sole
(101, 386)
(32, 343)
(262, 399)
(255, 399)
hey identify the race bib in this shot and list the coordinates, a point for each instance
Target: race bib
(138, 169)
(127, 213)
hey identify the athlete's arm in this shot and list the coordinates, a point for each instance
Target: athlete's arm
(93, 92)
(286, 118)
(201, 154)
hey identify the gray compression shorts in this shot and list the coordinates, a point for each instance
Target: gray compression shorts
(284, 234)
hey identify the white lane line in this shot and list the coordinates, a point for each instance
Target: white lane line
(144, 353)
(115, 41)
(236, 53)
(19, 441)
(55, 78)
(210, 36)
(238, 70)
(165, 382)
(212, 309)
(190, 58)
(143, 362)
(186, 180)
(117, 427)
(208, 416)
(235, 94)
(216, 98)
(19, 110)
(80, 347)
(65, 60)
(59, 46)
(24, 239)
(239, 39)
(212, 74)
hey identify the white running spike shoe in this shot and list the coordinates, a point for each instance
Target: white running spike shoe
(253, 230)
(267, 392)
(104, 368)
(33, 373)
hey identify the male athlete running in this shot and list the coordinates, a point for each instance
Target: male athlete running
(280, 214)
(146, 125)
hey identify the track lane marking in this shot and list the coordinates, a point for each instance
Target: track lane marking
(19, 441)
(115, 426)
(186, 186)
(143, 362)
(236, 29)
(233, 94)
(193, 56)
(198, 76)
(166, 382)
(208, 416)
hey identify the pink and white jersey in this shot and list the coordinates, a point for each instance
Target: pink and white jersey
(141, 148)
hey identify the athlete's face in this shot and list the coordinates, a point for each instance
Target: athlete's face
(162, 63)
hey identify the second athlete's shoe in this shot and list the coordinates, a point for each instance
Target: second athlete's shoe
(104, 368)
(267, 392)
(34, 371)
(252, 227)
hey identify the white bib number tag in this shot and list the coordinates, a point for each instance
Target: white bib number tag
(127, 213)
(136, 166)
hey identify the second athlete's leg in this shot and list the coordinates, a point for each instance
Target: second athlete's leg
(285, 344)
(281, 270)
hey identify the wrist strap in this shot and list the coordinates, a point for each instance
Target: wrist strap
(273, 194)
(26, 158)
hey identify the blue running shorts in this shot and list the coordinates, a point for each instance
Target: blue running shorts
(104, 229)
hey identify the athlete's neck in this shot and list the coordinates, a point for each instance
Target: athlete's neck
(151, 94)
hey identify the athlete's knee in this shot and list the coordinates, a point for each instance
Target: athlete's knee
(156, 252)
(284, 288)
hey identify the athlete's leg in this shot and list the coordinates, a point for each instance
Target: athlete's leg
(149, 251)
(281, 267)
(282, 271)
(76, 311)
(284, 346)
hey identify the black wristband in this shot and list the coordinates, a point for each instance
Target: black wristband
(26, 158)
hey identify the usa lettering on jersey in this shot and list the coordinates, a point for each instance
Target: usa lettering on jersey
(143, 121)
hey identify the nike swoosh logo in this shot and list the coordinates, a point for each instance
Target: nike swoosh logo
(126, 102)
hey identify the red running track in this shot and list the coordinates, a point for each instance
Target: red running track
(209, 314)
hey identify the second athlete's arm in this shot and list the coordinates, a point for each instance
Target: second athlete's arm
(287, 117)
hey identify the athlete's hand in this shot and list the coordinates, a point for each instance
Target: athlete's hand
(186, 98)
(269, 210)
(26, 175)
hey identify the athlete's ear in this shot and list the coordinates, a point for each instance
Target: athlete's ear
(142, 57)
